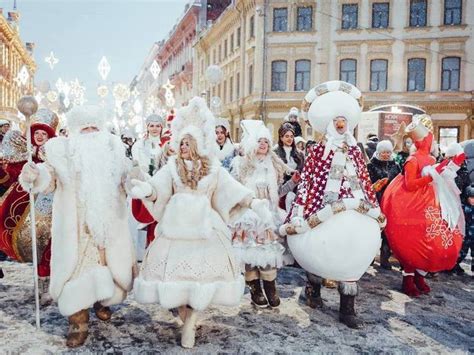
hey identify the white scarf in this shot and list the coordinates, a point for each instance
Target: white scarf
(335, 140)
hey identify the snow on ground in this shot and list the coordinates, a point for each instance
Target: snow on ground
(441, 322)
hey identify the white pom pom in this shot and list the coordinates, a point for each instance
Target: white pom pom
(214, 74)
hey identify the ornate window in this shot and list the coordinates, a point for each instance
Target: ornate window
(450, 73)
(302, 75)
(418, 13)
(416, 74)
(378, 75)
(348, 71)
(349, 16)
(279, 75)
(380, 14)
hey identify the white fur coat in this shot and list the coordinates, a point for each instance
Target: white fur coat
(59, 173)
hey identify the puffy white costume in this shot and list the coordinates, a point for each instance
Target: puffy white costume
(335, 217)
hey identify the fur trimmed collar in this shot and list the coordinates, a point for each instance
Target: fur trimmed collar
(203, 183)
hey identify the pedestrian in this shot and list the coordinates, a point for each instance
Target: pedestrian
(382, 170)
(92, 257)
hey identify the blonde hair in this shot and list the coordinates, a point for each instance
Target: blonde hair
(249, 165)
(200, 165)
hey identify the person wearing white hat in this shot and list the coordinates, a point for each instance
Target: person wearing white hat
(382, 170)
(92, 261)
(147, 152)
(293, 117)
(259, 245)
(191, 264)
(334, 225)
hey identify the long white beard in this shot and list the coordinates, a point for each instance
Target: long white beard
(99, 173)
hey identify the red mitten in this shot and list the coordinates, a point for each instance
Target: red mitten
(459, 159)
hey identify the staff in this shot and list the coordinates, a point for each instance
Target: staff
(28, 106)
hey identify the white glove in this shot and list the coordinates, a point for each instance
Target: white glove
(428, 170)
(141, 190)
(301, 226)
(30, 173)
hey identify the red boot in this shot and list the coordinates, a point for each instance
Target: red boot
(408, 286)
(421, 284)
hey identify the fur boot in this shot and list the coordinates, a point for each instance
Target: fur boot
(313, 291)
(385, 255)
(256, 293)
(271, 293)
(347, 315)
(43, 288)
(102, 312)
(78, 329)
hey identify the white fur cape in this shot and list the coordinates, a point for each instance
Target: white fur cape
(101, 283)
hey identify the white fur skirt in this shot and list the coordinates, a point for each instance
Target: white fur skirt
(198, 273)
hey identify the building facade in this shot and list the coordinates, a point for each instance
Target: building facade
(14, 55)
(417, 53)
(175, 55)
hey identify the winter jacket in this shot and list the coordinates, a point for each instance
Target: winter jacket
(379, 169)
(370, 148)
(469, 150)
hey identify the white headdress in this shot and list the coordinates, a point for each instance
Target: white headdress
(154, 118)
(253, 130)
(224, 123)
(293, 112)
(198, 121)
(81, 117)
(329, 100)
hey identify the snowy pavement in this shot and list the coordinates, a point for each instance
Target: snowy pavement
(442, 322)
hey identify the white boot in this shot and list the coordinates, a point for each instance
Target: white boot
(43, 288)
(188, 335)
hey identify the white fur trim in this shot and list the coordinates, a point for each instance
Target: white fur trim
(195, 294)
(260, 255)
(348, 288)
(86, 116)
(94, 285)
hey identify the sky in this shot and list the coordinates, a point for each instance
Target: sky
(80, 32)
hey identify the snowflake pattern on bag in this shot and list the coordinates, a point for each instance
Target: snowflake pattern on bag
(438, 227)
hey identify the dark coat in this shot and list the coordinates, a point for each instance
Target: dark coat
(379, 169)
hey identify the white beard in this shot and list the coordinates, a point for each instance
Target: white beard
(98, 168)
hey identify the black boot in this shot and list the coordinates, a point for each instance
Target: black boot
(347, 313)
(256, 293)
(312, 292)
(1, 273)
(385, 255)
(271, 293)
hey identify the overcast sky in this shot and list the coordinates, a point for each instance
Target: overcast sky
(80, 32)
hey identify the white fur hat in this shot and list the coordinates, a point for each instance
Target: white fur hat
(224, 123)
(293, 112)
(198, 121)
(384, 146)
(81, 117)
(253, 131)
(453, 149)
(330, 100)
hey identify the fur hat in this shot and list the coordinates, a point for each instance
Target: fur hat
(81, 117)
(154, 118)
(470, 191)
(384, 146)
(417, 130)
(198, 121)
(4, 122)
(453, 149)
(299, 140)
(253, 131)
(222, 122)
(293, 112)
(46, 120)
(329, 100)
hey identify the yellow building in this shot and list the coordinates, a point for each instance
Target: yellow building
(407, 52)
(14, 55)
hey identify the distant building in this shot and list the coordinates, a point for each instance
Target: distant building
(14, 55)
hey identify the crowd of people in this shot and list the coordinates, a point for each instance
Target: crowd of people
(219, 216)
